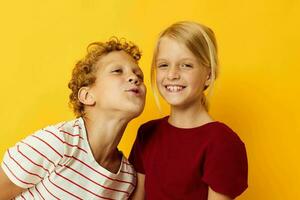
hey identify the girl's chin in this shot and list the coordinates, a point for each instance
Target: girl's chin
(173, 101)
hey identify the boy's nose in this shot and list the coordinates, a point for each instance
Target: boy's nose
(133, 79)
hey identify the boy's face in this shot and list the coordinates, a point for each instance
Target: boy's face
(119, 84)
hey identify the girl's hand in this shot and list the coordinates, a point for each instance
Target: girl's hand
(139, 192)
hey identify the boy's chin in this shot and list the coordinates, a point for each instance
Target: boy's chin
(134, 111)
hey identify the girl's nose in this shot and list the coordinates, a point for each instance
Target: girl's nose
(173, 73)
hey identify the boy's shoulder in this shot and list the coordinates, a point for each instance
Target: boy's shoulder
(67, 130)
(71, 125)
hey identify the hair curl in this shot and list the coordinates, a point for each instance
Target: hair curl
(84, 72)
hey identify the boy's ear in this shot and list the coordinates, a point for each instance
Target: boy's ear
(85, 96)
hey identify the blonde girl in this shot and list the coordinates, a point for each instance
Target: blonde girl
(187, 155)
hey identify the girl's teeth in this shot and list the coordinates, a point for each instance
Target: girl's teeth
(174, 88)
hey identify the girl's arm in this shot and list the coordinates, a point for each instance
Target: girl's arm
(8, 189)
(212, 195)
(139, 192)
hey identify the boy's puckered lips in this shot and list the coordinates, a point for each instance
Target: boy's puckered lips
(135, 90)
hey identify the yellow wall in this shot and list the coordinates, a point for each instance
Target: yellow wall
(256, 93)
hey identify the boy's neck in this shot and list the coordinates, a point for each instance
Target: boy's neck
(104, 132)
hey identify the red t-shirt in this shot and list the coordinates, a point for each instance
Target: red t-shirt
(181, 163)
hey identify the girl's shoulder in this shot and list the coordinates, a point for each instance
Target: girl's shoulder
(152, 123)
(148, 129)
(221, 134)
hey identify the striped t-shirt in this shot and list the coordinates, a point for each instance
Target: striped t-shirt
(57, 163)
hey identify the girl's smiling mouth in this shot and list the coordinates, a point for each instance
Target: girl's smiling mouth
(174, 88)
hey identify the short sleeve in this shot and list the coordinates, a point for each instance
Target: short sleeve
(33, 158)
(225, 165)
(135, 157)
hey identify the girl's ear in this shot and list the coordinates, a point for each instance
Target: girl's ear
(85, 96)
(207, 81)
(208, 78)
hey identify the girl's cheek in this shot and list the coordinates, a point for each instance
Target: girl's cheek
(159, 76)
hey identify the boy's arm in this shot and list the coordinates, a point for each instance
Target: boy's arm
(139, 192)
(29, 161)
(8, 189)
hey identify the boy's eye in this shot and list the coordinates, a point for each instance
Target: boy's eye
(140, 76)
(117, 71)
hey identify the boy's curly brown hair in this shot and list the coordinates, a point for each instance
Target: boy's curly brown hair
(84, 72)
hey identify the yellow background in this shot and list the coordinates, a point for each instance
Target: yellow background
(256, 94)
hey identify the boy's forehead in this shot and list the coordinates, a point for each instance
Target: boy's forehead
(117, 57)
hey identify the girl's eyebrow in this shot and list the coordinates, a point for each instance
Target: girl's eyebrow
(187, 59)
(181, 59)
(161, 59)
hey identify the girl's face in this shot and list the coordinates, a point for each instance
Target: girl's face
(119, 84)
(179, 76)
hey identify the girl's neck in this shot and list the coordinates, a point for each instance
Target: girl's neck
(189, 117)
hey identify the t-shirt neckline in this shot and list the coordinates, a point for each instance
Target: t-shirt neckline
(91, 155)
(184, 130)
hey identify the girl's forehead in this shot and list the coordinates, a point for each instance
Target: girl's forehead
(171, 48)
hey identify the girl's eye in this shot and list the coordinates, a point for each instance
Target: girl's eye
(187, 65)
(162, 65)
